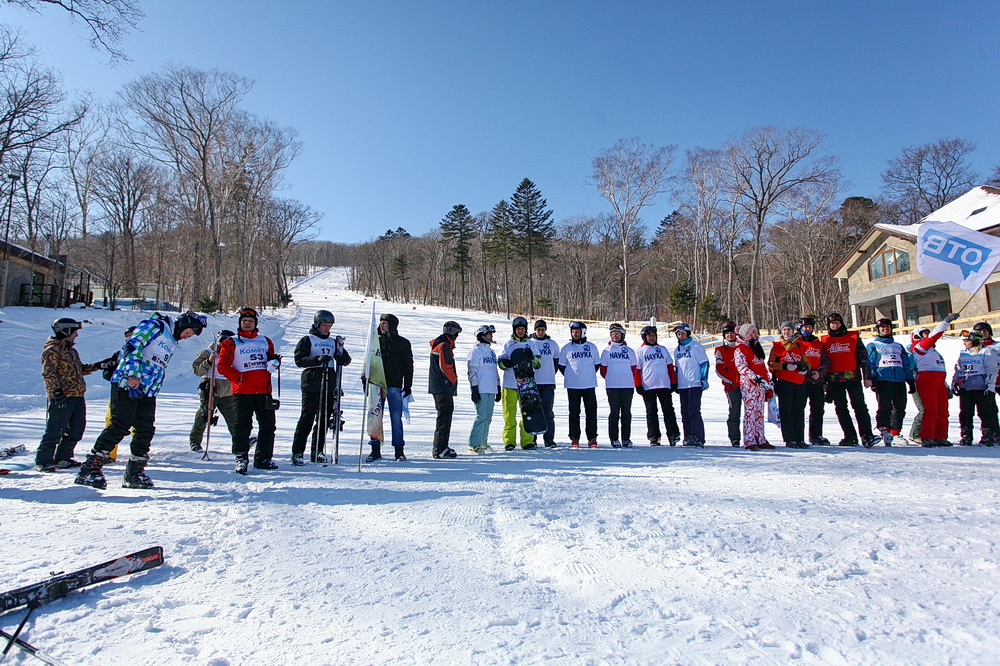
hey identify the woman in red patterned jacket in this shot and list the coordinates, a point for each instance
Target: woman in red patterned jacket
(754, 387)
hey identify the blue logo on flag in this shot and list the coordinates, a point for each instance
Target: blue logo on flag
(965, 254)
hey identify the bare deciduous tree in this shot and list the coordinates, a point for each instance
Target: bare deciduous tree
(108, 20)
(924, 178)
(631, 175)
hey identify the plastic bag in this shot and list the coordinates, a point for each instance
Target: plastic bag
(773, 416)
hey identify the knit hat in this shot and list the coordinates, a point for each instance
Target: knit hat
(744, 331)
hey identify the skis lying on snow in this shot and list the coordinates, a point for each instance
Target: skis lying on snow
(44, 657)
(59, 585)
(11, 450)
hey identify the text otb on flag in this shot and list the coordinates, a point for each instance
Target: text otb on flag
(957, 255)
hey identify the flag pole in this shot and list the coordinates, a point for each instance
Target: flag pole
(367, 385)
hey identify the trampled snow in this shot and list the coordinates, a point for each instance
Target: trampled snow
(641, 556)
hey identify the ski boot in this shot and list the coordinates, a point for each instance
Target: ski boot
(90, 473)
(529, 446)
(627, 444)
(476, 449)
(550, 445)
(654, 441)
(691, 441)
(872, 440)
(848, 441)
(735, 443)
(766, 446)
(575, 444)
(616, 444)
(241, 466)
(886, 436)
(376, 453)
(674, 439)
(298, 460)
(592, 443)
(135, 473)
(965, 441)
(196, 446)
(899, 440)
(819, 441)
(398, 450)
(447, 453)
(508, 447)
(796, 445)
(265, 464)
(47, 467)
(68, 464)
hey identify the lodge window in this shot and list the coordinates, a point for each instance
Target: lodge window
(889, 261)
(993, 296)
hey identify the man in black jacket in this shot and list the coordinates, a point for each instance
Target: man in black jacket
(397, 363)
(318, 353)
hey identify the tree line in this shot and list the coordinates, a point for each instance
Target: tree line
(171, 183)
(759, 223)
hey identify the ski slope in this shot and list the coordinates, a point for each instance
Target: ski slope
(641, 556)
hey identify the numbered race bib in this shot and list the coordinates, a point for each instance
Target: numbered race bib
(159, 351)
(250, 354)
(889, 356)
(321, 347)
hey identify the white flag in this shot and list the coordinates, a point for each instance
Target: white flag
(957, 255)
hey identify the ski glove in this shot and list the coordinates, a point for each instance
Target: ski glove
(704, 385)
(338, 346)
(791, 366)
(640, 390)
(536, 362)
(322, 360)
(59, 398)
(475, 395)
(405, 393)
(912, 386)
(952, 317)
(273, 365)
(498, 396)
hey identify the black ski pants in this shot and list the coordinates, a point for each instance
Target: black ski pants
(137, 414)
(891, 405)
(589, 399)
(694, 425)
(64, 425)
(838, 393)
(982, 402)
(735, 399)
(444, 403)
(248, 406)
(307, 417)
(620, 402)
(547, 392)
(792, 408)
(816, 399)
(662, 396)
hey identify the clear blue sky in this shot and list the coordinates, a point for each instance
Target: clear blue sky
(408, 108)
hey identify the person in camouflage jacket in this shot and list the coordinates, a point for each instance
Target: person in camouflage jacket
(66, 413)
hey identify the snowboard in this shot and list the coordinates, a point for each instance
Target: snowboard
(532, 412)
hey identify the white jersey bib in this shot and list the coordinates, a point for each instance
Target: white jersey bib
(321, 346)
(160, 350)
(890, 354)
(250, 354)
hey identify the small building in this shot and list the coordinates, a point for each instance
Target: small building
(35, 279)
(881, 270)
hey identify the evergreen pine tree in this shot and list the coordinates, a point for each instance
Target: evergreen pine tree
(457, 231)
(533, 228)
(499, 244)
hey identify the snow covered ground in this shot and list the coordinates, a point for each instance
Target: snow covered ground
(642, 556)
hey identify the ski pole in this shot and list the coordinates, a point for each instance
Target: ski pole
(336, 416)
(44, 657)
(210, 403)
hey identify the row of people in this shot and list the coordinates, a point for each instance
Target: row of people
(801, 370)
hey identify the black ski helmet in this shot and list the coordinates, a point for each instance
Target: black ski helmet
(682, 326)
(540, 324)
(728, 327)
(189, 320)
(63, 327)
(617, 327)
(519, 321)
(249, 312)
(485, 330)
(806, 320)
(884, 321)
(985, 328)
(323, 317)
(451, 328)
(226, 333)
(835, 316)
(646, 332)
(128, 332)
